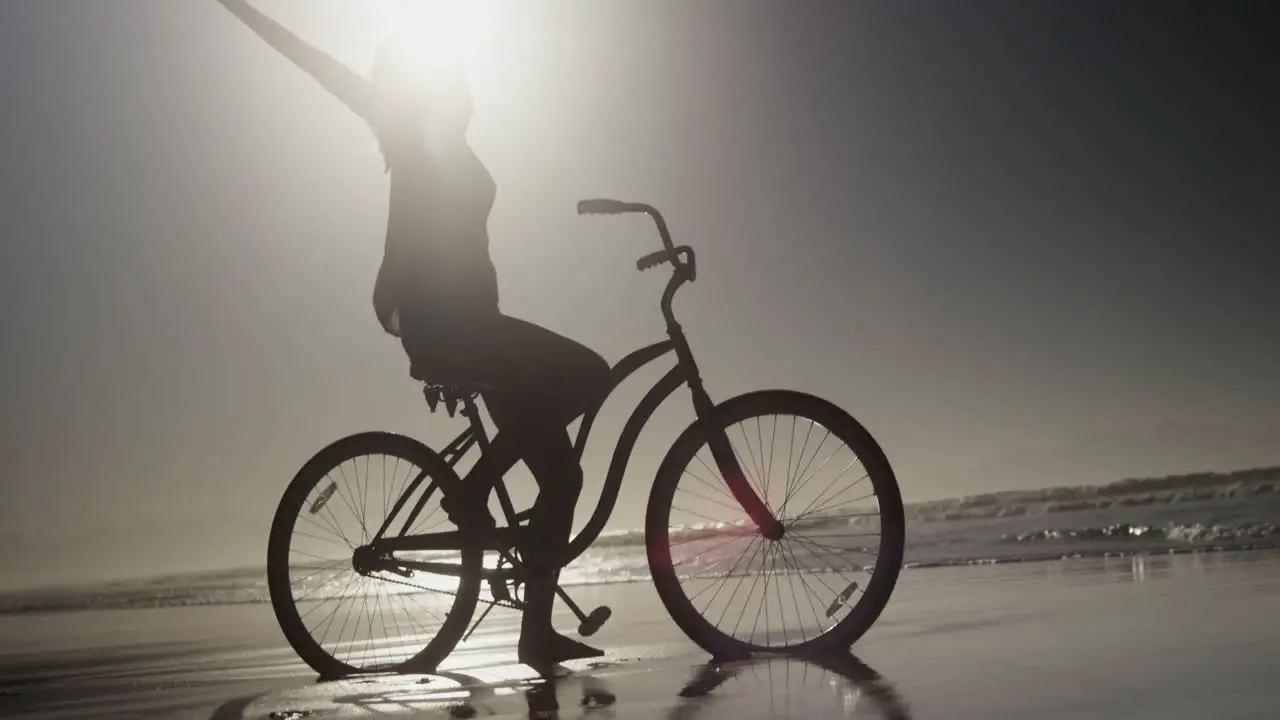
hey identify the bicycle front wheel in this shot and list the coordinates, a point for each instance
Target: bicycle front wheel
(824, 582)
(342, 613)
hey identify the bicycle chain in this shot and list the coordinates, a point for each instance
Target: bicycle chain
(509, 605)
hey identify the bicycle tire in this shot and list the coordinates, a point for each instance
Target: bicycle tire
(892, 523)
(278, 550)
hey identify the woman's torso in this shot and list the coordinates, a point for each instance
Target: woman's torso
(437, 244)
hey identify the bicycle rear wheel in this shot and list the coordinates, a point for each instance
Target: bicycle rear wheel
(826, 580)
(340, 616)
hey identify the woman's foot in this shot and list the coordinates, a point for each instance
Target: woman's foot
(470, 514)
(543, 650)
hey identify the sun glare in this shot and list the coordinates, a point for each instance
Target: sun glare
(441, 31)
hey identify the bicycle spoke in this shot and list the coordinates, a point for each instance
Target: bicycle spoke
(824, 511)
(822, 495)
(713, 502)
(698, 515)
(808, 589)
(835, 549)
(327, 620)
(816, 576)
(725, 579)
(794, 473)
(786, 568)
(711, 551)
(752, 471)
(738, 586)
(778, 591)
(310, 555)
(343, 497)
(805, 471)
(808, 546)
(805, 483)
(773, 437)
(329, 528)
(699, 537)
(764, 598)
(721, 487)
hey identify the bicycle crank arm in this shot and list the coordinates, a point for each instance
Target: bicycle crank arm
(588, 623)
(577, 611)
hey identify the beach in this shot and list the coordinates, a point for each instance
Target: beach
(1186, 635)
(938, 334)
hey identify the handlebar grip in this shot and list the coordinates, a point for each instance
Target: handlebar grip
(655, 259)
(602, 206)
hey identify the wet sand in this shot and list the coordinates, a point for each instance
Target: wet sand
(1170, 636)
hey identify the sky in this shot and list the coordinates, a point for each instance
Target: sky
(1026, 244)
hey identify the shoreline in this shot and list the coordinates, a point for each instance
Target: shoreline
(916, 566)
(1055, 641)
(1058, 502)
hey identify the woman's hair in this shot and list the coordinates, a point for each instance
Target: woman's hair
(413, 95)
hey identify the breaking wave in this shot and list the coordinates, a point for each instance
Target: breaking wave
(1190, 513)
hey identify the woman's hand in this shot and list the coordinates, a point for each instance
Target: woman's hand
(384, 302)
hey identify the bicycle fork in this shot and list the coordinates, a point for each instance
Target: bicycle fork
(731, 471)
(722, 451)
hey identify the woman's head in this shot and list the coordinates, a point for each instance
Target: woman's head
(418, 100)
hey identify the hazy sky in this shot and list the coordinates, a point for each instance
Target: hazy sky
(1025, 243)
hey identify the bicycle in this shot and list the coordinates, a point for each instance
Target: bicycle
(395, 558)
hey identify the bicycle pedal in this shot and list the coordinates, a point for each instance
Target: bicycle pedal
(594, 621)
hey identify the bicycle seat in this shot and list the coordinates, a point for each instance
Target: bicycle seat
(458, 390)
(450, 394)
(444, 384)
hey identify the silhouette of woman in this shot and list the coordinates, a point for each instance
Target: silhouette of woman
(437, 291)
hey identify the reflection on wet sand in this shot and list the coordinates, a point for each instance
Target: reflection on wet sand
(460, 695)
(829, 686)
(833, 685)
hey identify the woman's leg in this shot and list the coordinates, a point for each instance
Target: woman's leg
(548, 452)
(537, 382)
(538, 371)
(542, 382)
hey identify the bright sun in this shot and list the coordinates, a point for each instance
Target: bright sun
(447, 31)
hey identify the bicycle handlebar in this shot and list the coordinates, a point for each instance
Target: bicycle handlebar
(681, 257)
(605, 206)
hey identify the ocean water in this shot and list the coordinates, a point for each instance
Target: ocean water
(1200, 513)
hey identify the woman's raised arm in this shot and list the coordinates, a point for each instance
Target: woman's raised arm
(340, 80)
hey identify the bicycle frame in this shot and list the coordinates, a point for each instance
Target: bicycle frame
(476, 434)
(684, 373)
